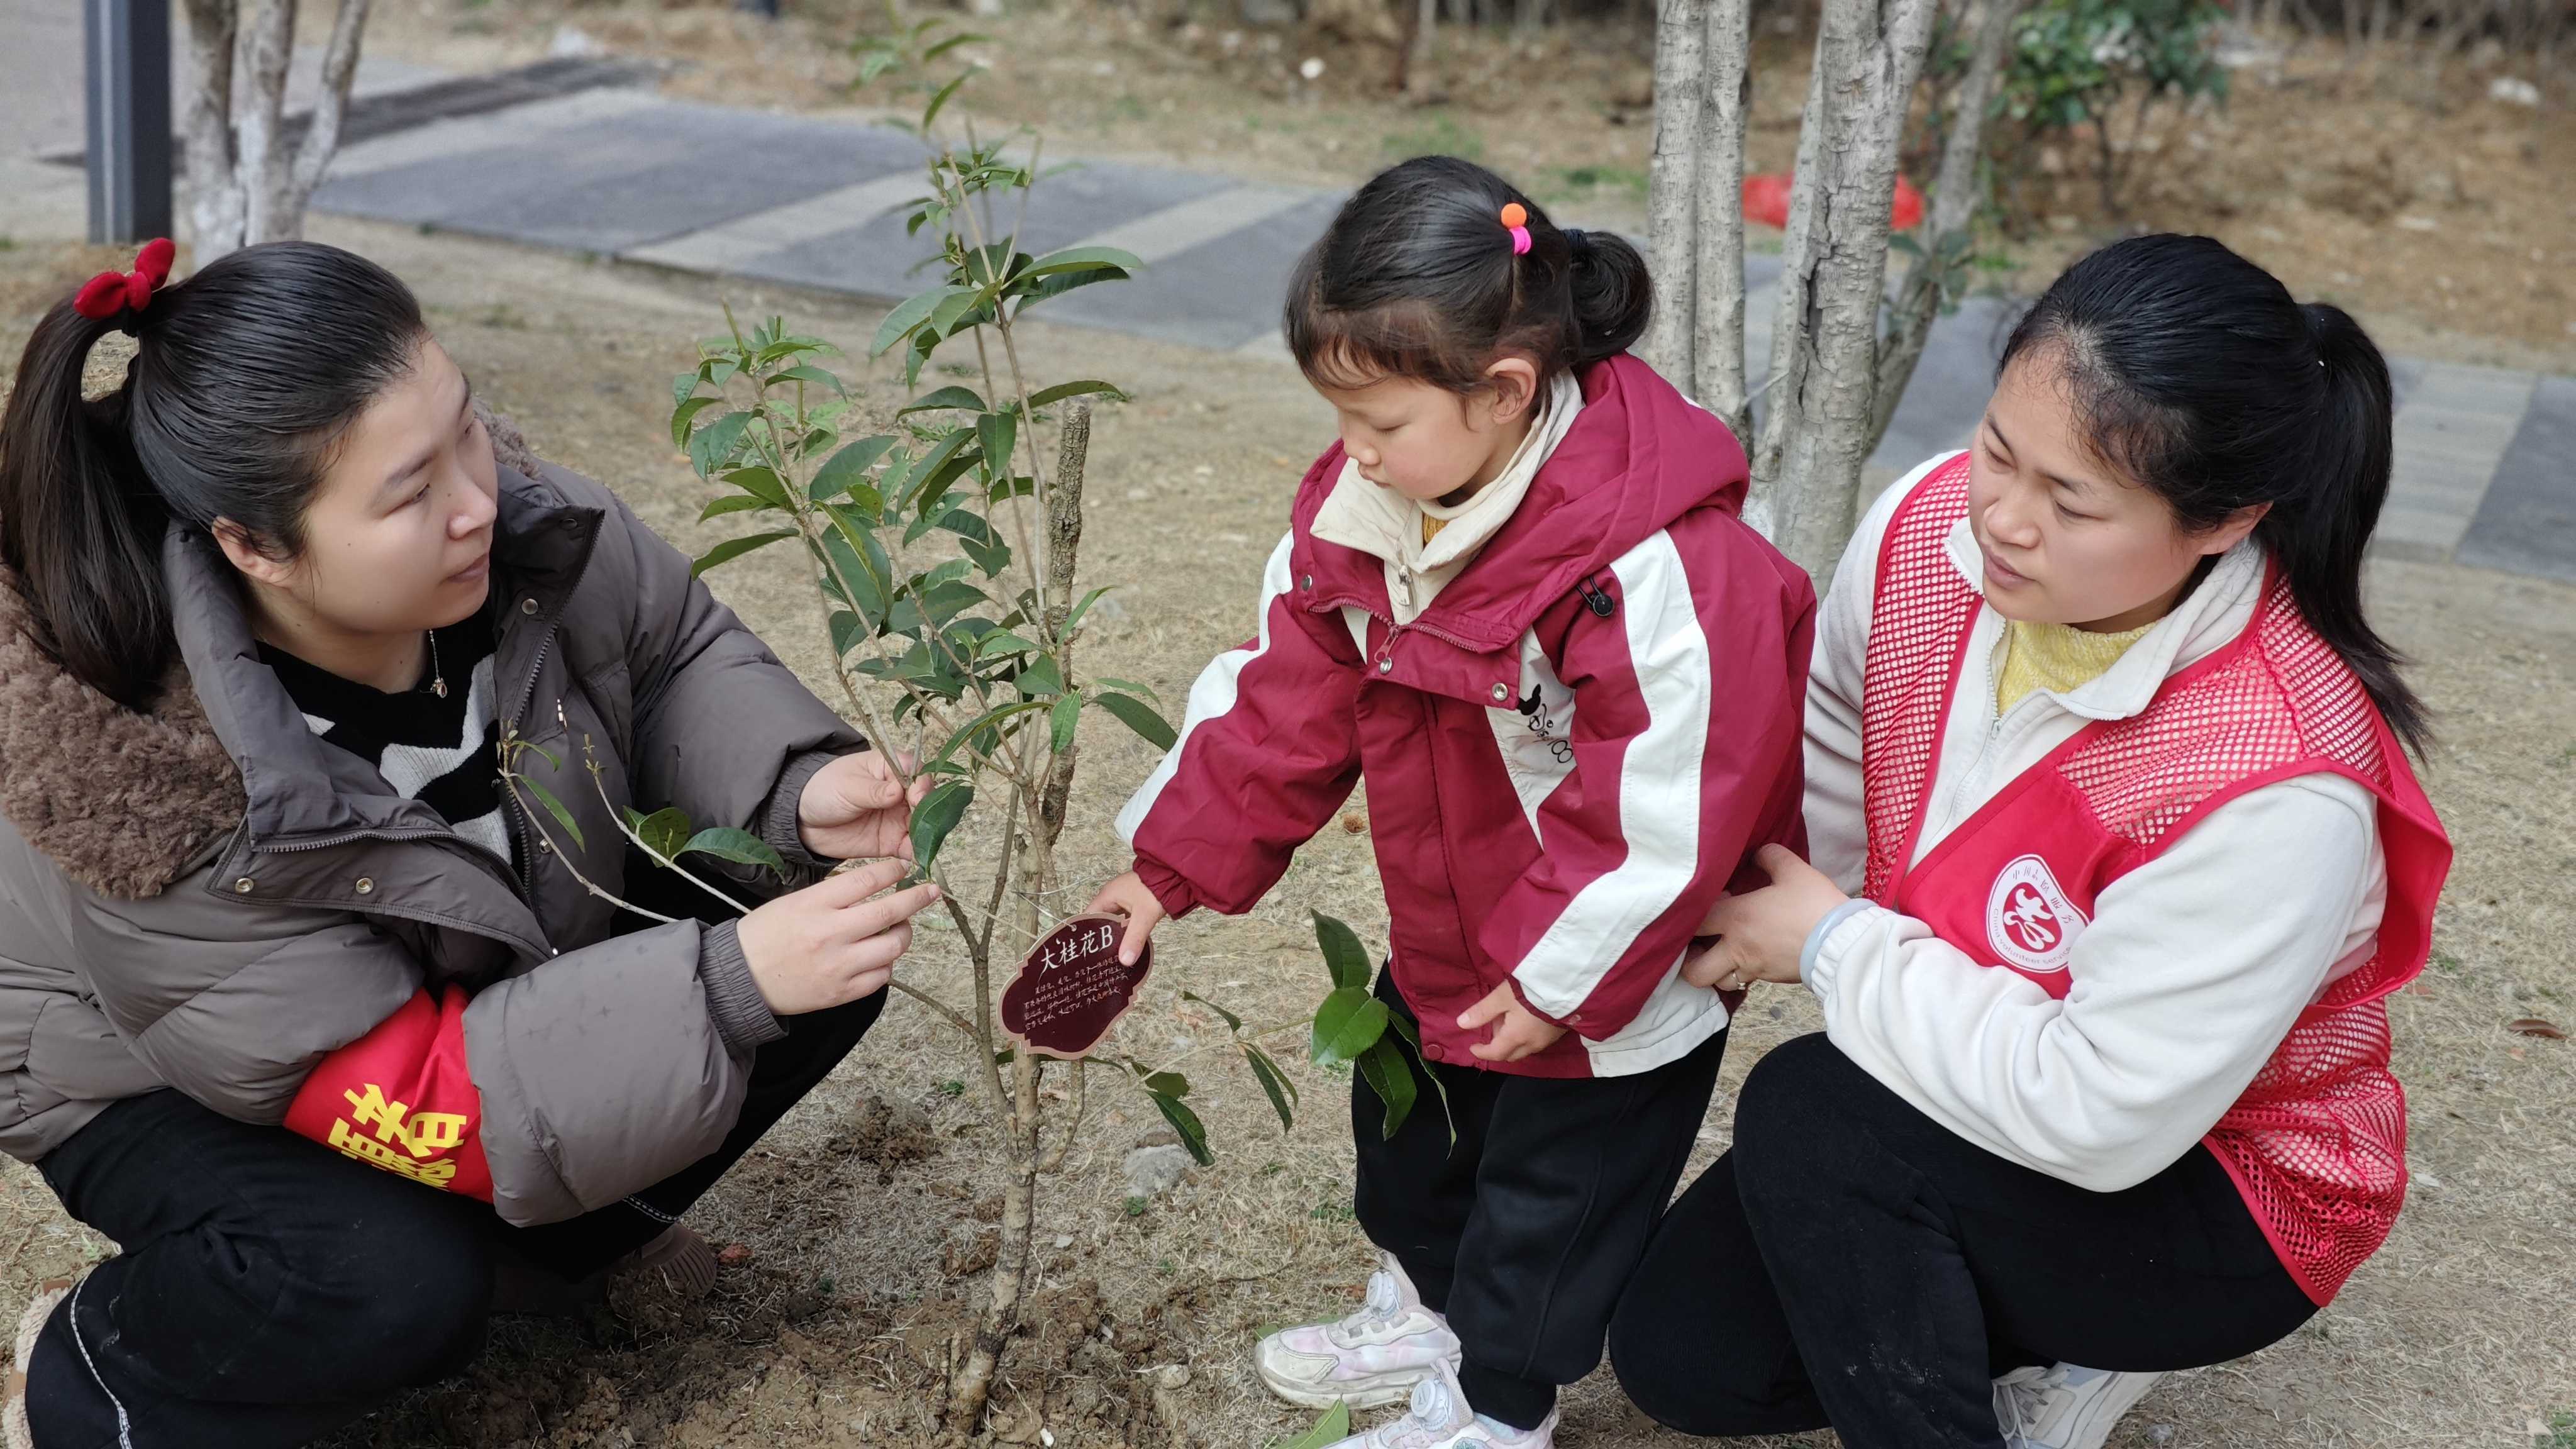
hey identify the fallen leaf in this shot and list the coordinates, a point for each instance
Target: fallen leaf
(734, 1255)
(2534, 1026)
(1355, 823)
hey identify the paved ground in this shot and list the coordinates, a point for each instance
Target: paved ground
(2486, 458)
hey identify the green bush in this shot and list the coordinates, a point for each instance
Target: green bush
(2102, 66)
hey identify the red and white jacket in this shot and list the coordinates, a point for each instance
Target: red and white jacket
(1570, 754)
(2160, 909)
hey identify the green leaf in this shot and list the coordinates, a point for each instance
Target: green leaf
(1232, 1021)
(935, 816)
(1130, 686)
(734, 548)
(1413, 1039)
(996, 434)
(907, 315)
(664, 832)
(1169, 1084)
(1040, 680)
(1002, 641)
(724, 842)
(946, 397)
(1063, 390)
(730, 503)
(1084, 607)
(1274, 1084)
(1185, 1122)
(953, 313)
(1084, 259)
(682, 385)
(985, 721)
(555, 808)
(1063, 719)
(714, 445)
(807, 372)
(686, 411)
(760, 483)
(940, 101)
(951, 43)
(1343, 954)
(1390, 1075)
(1140, 717)
(848, 469)
(1346, 1024)
(1332, 1427)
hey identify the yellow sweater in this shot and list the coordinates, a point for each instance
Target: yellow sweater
(2055, 657)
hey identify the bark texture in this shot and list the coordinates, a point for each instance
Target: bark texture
(1824, 336)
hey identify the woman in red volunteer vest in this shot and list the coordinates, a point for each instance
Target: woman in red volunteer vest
(2117, 854)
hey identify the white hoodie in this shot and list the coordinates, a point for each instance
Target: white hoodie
(2196, 963)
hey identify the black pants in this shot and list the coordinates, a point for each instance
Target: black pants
(1524, 1230)
(1853, 1262)
(268, 1290)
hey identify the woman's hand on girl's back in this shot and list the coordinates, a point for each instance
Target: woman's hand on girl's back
(830, 943)
(1761, 934)
(1127, 896)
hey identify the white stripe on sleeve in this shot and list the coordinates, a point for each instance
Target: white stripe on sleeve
(1659, 788)
(1211, 697)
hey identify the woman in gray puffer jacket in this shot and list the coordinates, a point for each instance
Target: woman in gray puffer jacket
(298, 1002)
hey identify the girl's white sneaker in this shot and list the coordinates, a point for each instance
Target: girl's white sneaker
(2065, 1406)
(1438, 1416)
(1372, 1358)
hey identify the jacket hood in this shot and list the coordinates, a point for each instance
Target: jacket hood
(124, 802)
(1639, 457)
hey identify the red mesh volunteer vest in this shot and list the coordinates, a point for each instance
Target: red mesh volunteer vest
(2317, 1144)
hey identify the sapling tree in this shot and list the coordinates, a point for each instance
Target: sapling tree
(944, 550)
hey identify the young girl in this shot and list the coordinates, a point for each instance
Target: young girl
(300, 1005)
(1517, 599)
(2100, 736)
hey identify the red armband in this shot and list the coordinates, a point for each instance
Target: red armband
(399, 1098)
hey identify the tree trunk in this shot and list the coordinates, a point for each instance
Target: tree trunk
(1824, 339)
(1717, 312)
(1672, 188)
(214, 202)
(245, 184)
(1928, 285)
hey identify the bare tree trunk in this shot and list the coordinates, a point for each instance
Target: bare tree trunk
(1833, 275)
(1672, 188)
(1954, 208)
(1717, 313)
(261, 147)
(214, 203)
(244, 184)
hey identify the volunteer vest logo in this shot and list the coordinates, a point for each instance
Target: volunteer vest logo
(2029, 920)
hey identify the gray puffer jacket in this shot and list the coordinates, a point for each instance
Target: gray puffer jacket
(209, 897)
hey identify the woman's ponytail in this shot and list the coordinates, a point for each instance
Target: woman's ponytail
(1612, 296)
(2319, 534)
(2197, 374)
(80, 524)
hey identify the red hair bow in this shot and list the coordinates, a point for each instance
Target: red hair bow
(109, 293)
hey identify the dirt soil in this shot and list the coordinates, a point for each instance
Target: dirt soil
(2438, 215)
(858, 1231)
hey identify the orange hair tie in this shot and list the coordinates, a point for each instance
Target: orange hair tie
(1516, 220)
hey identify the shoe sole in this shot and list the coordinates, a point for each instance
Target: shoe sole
(1381, 1392)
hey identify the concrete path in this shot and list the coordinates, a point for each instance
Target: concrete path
(2486, 459)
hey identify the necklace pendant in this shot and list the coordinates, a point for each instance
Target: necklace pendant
(438, 687)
